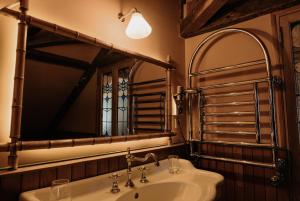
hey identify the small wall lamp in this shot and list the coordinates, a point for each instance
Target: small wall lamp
(137, 27)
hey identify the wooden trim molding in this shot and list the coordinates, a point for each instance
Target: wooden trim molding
(83, 37)
(51, 144)
(285, 20)
(17, 104)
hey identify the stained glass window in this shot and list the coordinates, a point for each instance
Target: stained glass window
(296, 61)
(122, 101)
(107, 104)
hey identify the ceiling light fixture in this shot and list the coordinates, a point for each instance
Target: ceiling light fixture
(137, 27)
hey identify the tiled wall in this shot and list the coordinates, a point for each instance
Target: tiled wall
(13, 184)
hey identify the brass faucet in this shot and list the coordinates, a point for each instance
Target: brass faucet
(130, 158)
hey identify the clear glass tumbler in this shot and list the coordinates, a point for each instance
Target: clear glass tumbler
(60, 190)
(174, 167)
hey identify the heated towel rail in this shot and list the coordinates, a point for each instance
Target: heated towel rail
(207, 110)
(148, 101)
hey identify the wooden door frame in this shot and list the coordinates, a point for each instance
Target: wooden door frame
(284, 19)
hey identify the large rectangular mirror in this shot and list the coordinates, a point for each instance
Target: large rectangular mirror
(74, 89)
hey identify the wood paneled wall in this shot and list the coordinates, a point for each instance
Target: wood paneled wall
(12, 185)
(243, 182)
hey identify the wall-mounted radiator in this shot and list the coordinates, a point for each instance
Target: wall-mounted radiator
(238, 113)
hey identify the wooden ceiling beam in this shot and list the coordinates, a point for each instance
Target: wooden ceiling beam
(47, 57)
(238, 11)
(52, 43)
(79, 87)
(70, 100)
(115, 58)
(203, 10)
(102, 55)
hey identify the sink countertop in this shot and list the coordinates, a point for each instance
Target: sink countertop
(98, 187)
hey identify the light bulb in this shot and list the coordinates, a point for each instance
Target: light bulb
(138, 27)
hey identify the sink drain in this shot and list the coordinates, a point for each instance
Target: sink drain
(136, 196)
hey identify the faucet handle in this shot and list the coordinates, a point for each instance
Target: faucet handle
(115, 188)
(128, 155)
(114, 176)
(143, 178)
(143, 168)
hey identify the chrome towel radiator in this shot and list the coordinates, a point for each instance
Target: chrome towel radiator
(229, 89)
(149, 103)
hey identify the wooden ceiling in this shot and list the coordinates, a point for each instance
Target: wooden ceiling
(208, 15)
(5, 3)
(63, 52)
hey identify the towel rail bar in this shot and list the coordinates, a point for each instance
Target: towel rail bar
(230, 67)
(229, 104)
(239, 161)
(147, 82)
(229, 94)
(231, 143)
(228, 132)
(218, 123)
(235, 113)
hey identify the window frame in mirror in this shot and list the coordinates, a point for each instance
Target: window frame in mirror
(114, 68)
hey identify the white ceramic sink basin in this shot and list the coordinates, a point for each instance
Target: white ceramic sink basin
(190, 184)
(166, 191)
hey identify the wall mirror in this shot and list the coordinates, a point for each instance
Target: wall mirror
(74, 89)
(71, 89)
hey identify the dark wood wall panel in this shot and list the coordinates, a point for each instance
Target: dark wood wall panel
(248, 179)
(113, 164)
(30, 181)
(103, 166)
(47, 176)
(243, 182)
(91, 169)
(12, 185)
(78, 171)
(64, 172)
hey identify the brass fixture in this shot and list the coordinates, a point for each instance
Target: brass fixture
(115, 188)
(143, 178)
(130, 158)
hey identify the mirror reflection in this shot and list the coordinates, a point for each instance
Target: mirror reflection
(74, 89)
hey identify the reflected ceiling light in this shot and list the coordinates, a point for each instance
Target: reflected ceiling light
(137, 27)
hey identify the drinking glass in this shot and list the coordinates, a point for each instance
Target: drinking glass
(60, 190)
(173, 164)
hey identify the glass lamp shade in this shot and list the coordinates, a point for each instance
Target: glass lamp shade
(138, 27)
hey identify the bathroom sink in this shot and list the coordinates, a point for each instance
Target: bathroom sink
(166, 191)
(189, 184)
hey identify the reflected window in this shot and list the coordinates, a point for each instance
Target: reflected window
(113, 92)
(122, 100)
(107, 90)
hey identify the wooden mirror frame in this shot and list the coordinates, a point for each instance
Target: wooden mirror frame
(15, 144)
